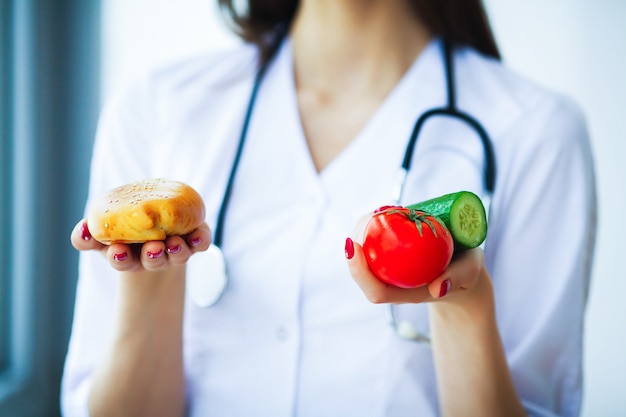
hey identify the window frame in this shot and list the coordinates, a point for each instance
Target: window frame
(5, 169)
(50, 87)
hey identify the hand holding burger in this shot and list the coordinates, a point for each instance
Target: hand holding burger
(149, 224)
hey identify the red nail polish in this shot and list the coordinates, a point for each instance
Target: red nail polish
(383, 208)
(84, 232)
(120, 257)
(154, 255)
(445, 287)
(349, 248)
(195, 241)
(173, 249)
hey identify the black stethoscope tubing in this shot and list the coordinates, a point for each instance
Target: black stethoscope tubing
(218, 235)
(451, 110)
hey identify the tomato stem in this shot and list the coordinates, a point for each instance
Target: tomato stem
(418, 217)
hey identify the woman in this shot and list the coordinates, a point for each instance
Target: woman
(293, 334)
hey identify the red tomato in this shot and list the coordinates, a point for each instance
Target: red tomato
(405, 247)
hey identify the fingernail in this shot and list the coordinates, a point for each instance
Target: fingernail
(445, 287)
(349, 248)
(154, 255)
(195, 241)
(383, 208)
(120, 257)
(84, 232)
(173, 249)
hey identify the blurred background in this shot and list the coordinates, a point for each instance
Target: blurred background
(60, 60)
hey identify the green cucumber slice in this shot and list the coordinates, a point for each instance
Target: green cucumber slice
(463, 214)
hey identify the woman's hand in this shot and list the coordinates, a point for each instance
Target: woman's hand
(472, 378)
(147, 337)
(457, 281)
(463, 310)
(150, 256)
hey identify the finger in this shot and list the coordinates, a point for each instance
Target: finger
(81, 237)
(153, 256)
(200, 239)
(441, 286)
(178, 252)
(460, 275)
(375, 290)
(122, 257)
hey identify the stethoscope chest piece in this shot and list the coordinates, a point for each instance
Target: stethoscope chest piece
(206, 276)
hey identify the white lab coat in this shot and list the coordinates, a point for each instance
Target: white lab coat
(293, 335)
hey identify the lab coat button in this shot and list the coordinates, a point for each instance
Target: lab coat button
(281, 333)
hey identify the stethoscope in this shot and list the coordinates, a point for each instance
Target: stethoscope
(207, 290)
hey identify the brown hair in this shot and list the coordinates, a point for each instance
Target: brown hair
(460, 22)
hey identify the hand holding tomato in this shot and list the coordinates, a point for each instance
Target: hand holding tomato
(457, 276)
(459, 279)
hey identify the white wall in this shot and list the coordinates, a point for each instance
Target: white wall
(574, 46)
(138, 34)
(579, 47)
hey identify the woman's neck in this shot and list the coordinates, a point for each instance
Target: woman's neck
(355, 46)
(348, 56)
